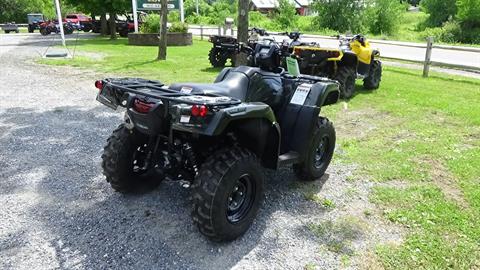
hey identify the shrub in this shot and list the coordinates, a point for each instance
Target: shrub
(453, 32)
(469, 13)
(449, 32)
(189, 6)
(257, 19)
(440, 11)
(151, 24)
(340, 15)
(383, 16)
(178, 27)
(197, 19)
(306, 24)
(286, 16)
(173, 16)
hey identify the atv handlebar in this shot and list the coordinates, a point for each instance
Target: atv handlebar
(260, 31)
(291, 35)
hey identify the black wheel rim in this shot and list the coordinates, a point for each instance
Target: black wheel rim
(320, 153)
(240, 199)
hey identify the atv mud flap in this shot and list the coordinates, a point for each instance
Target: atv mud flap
(297, 128)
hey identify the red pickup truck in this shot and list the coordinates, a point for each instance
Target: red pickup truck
(80, 19)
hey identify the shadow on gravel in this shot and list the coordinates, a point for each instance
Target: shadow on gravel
(56, 156)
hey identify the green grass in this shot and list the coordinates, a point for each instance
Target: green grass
(421, 132)
(424, 133)
(189, 63)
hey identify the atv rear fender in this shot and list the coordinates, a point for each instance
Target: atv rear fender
(298, 121)
(253, 124)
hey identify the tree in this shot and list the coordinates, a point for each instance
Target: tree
(439, 10)
(469, 13)
(17, 10)
(339, 15)
(286, 15)
(383, 16)
(242, 28)
(111, 7)
(162, 44)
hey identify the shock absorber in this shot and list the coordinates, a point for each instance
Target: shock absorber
(190, 155)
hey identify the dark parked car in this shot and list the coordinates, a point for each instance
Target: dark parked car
(34, 21)
(10, 27)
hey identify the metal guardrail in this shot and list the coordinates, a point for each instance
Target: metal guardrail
(18, 24)
(429, 46)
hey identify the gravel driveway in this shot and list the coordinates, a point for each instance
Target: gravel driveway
(57, 211)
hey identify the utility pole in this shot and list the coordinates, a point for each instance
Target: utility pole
(242, 33)
(135, 15)
(60, 21)
(182, 12)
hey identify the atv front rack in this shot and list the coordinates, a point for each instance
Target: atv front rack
(115, 89)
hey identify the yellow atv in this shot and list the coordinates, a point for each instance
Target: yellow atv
(354, 59)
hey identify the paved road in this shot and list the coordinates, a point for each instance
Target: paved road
(397, 50)
(57, 211)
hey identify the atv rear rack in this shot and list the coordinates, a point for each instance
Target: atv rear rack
(157, 90)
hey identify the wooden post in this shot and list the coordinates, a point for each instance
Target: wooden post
(428, 56)
(219, 30)
(201, 32)
(232, 31)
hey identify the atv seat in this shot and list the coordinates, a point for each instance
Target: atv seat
(247, 84)
(235, 85)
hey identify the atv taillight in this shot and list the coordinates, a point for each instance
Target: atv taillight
(142, 107)
(99, 84)
(199, 110)
(297, 51)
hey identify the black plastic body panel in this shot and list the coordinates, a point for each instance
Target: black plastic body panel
(297, 128)
(221, 119)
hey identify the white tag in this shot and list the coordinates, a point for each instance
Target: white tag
(186, 90)
(184, 118)
(301, 94)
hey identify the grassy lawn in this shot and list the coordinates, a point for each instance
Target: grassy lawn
(419, 139)
(119, 59)
(408, 29)
(411, 29)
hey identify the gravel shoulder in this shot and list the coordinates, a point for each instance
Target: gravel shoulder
(58, 211)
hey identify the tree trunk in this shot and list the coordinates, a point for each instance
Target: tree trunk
(103, 24)
(113, 26)
(162, 45)
(242, 33)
